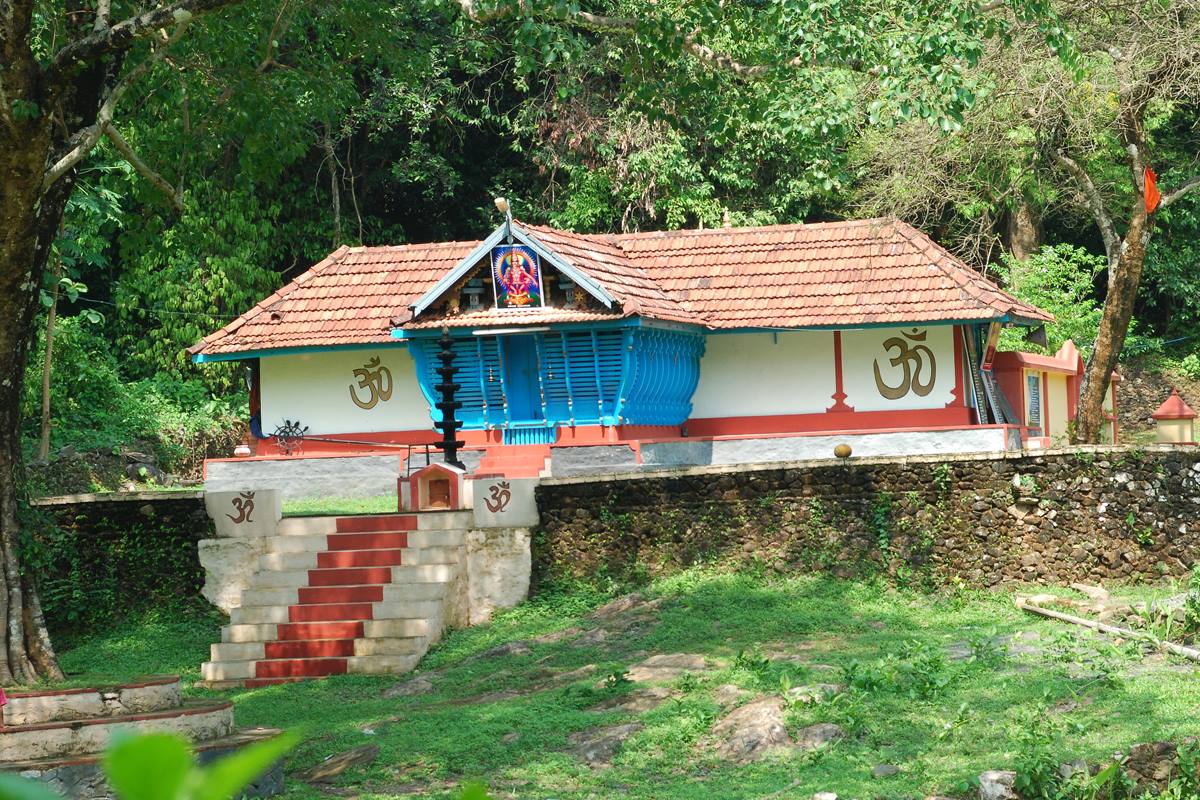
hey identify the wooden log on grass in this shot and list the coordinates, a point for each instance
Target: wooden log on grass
(1103, 627)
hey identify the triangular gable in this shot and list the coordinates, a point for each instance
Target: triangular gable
(499, 236)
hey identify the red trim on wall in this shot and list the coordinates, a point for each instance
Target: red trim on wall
(959, 366)
(864, 421)
(839, 392)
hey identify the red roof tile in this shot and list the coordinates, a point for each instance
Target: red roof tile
(1174, 408)
(784, 276)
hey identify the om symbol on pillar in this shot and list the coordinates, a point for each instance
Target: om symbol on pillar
(912, 359)
(501, 494)
(244, 505)
(376, 380)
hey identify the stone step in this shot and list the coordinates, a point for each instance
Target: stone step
(258, 615)
(399, 628)
(218, 672)
(279, 579)
(350, 576)
(443, 537)
(367, 541)
(415, 556)
(424, 573)
(306, 526)
(361, 558)
(299, 543)
(300, 667)
(237, 634)
(330, 612)
(311, 648)
(197, 720)
(349, 629)
(395, 646)
(82, 772)
(381, 664)
(407, 592)
(340, 594)
(288, 562)
(272, 597)
(236, 651)
(445, 521)
(157, 693)
(377, 523)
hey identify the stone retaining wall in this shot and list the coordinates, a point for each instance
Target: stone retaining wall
(1102, 513)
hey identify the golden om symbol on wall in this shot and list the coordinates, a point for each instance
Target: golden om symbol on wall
(374, 379)
(913, 360)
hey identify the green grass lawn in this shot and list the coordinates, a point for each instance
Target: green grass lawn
(339, 506)
(931, 694)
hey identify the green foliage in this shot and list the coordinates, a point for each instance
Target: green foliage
(96, 572)
(183, 281)
(94, 408)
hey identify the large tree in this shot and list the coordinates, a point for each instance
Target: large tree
(1143, 61)
(63, 73)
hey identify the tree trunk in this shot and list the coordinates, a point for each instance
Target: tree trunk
(1024, 230)
(48, 362)
(1123, 280)
(28, 220)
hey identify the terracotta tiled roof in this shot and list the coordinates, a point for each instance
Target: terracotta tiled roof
(1174, 408)
(783, 276)
(859, 272)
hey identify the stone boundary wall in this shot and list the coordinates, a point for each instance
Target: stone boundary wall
(1089, 513)
(98, 557)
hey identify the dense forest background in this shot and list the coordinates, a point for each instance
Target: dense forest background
(288, 127)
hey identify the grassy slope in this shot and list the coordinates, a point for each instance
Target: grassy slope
(975, 723)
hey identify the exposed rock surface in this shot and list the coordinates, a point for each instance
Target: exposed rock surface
(598, 746)
(414, 686)
(667, 667)
(996, 784)
(335, 765)
(756, 730)
(637, 701)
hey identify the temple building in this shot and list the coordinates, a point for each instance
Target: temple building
(660, 348)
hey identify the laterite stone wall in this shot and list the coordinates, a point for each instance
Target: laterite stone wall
(1104, 513)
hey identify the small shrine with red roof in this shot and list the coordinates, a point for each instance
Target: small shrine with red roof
(669, 348)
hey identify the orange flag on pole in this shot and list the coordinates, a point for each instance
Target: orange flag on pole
(1153, 196)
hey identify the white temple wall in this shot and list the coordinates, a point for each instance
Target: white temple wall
(923, 378)
(760, 374)
(318, 390)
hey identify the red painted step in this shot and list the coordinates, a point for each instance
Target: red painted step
(317, 648)
(341, 594)
(377, 524)
(358, 558)
(367, 541)
(318, 630)
(352, 576)
(329, 612)
(300, 667)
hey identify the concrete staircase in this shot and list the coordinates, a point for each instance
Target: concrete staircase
(337, 595)
(516, 461)
(60, 735)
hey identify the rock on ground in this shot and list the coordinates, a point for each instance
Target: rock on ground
(817, 736)
(335, 765)
(997, 784)
(637, 701)
(666, 667)
(598, 746)
(752, 731)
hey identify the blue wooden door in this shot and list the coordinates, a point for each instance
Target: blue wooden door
(521, 379)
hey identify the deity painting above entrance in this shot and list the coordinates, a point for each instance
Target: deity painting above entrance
(517, 277)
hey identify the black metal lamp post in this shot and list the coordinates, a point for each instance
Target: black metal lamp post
(449, 423)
